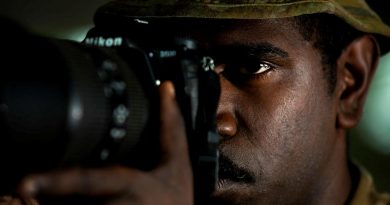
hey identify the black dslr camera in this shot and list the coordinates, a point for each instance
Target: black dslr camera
(94, 103)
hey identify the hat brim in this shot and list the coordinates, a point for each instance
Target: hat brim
(354, 12)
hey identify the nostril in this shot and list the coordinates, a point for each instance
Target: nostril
(226, 125)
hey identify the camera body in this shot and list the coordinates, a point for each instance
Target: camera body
(95, 103)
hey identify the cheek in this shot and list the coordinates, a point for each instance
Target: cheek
(290, 126)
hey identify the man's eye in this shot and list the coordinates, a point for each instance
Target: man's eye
(255, 69)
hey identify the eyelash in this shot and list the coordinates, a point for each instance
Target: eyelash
(259, 69)
(245, 69)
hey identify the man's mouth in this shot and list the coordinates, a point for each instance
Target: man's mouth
(229, 172)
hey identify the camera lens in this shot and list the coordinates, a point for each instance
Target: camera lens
(65, 104)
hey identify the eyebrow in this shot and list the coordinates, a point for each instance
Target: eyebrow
(255, 49)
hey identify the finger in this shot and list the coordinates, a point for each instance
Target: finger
(103, 182)
(9, 200)
(15, 201)
(175, 168)
(173, 137)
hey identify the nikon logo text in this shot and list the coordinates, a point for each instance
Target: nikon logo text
(104, 42)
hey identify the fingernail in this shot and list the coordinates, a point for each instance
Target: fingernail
(168, 87)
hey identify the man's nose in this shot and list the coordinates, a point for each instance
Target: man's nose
(226, 120)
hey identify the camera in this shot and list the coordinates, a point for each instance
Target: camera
(95, 103)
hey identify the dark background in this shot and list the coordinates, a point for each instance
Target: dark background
(70, 19)
(59, 18)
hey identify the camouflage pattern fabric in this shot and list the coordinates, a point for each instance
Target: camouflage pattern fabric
(366, 193)
(355, 12)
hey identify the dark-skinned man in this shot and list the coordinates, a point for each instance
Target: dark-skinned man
(294, 76)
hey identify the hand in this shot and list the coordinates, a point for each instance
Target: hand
(170, 183)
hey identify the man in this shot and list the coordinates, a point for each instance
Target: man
(294, 76)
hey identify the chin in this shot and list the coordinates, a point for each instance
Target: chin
(232, 192)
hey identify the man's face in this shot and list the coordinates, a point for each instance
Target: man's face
(276, 116)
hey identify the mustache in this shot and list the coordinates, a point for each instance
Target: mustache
(231, 171)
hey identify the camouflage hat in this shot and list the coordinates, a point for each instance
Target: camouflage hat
(355, 12)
